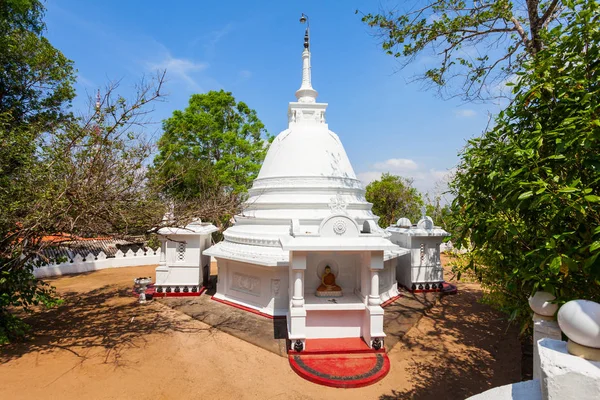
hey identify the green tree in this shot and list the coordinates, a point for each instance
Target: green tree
(36, 79)
(87, 178)
(477, 44)
(393, 197)
(35, 91)
(215, 144)
(527, 192)
(440, 214)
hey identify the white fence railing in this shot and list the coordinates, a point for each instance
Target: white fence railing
(91, 262)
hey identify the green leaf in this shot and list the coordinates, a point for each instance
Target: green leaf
(555, 264)
(568, 190)
(525, 195)
(592, 198)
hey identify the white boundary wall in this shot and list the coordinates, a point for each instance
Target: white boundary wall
(92, 263)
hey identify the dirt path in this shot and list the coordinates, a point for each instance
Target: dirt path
(96, 347)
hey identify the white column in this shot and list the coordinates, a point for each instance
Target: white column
(297, 313)
(374, 299)
(163, 252)
(298, 297)
(162, 271)
(376, 266)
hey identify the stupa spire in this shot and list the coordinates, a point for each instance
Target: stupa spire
(306, 93)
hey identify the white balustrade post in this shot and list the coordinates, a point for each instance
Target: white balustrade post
(544, 324)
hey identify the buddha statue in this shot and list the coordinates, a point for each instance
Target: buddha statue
(328, 288)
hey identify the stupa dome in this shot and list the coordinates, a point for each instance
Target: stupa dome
(305, 178)
(307, 150)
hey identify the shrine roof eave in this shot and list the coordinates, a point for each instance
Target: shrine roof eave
(418, 231)
(188, 230)
(319, 243)
(390, 255)
(267, 260)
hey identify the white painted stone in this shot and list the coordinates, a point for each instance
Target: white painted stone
(541, 303)
(527, 390)
(425, 223)
(404, 223)
(580, 321)
(119, 254)
(565, 377)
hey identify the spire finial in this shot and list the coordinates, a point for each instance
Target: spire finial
(303, 19)
(98, 101)
(306, 93)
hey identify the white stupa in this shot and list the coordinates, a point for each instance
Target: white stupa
(307, 211)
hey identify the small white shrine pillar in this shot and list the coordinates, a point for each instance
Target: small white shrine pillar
(297, 312)
(298, 294)
(163, 251)
(162, 271)
(374, 299)
(373, 328)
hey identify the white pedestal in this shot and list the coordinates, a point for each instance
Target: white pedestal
(542, 328)
(564, 376)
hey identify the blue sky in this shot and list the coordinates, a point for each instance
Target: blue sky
(253, 49)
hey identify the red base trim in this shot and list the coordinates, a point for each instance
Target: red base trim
(151, 291)
(180, 294)
(335, 346)
(251, 310)
(390, 301)
(447, 288)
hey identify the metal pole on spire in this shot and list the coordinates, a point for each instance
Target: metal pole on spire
(303, 19)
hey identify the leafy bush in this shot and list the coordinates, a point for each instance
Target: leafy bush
(527, 191)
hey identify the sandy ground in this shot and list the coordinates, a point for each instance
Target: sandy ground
(102, 345)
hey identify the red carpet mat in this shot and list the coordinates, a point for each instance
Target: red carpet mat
(341, 370)
(342, 363)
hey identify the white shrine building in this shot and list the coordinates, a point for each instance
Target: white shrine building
(307, 211)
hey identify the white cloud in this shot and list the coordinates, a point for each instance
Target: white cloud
(397, 164)
(85, 81)
(245, 74)
(179, 68)
(368, 177)
(465, 113)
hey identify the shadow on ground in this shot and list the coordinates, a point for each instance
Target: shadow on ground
(106, 319)
(473, 348)
(271, 334)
